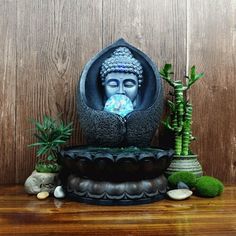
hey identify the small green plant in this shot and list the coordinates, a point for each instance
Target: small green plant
(50, 134)
(180, 119)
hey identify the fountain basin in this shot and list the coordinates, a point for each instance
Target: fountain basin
(115, 164)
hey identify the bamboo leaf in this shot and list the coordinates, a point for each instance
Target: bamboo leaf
(36, 144)
(40, 138)
(166, 74)
(192, 72)
(194, 77)
(167, 123)
(171, 105)
(59, 141)
(42, 151)
(39, 126)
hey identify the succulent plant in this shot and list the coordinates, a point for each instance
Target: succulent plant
(180, 119)
(51, 134)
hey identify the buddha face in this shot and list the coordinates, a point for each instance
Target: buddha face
(121, 83)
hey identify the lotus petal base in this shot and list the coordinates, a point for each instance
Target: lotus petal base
(110, 193)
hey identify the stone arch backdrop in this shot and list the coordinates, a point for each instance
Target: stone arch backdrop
(44, 45)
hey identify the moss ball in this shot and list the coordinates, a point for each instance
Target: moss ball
(183, 176)
(207, 186)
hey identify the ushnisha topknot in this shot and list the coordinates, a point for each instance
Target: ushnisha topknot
(122, 60)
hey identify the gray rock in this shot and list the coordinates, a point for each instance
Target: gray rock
(182, 185)
(40, 182)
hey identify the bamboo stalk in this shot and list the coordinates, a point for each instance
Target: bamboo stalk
(180, 108)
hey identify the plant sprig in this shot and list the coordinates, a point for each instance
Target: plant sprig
(51, 134)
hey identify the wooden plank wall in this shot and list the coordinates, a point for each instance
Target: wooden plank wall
(45, 44)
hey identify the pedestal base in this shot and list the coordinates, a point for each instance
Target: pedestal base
(112, 193)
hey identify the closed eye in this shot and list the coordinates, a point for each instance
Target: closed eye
(129, 83)
(112, 83)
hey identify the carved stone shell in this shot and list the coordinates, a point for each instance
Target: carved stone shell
(108, 129)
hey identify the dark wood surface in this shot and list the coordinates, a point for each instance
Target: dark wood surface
(44, 45)
(21, 214)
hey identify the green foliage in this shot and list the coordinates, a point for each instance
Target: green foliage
(47, 167)
(180, 118)
(50, 135)
(182, 176)
(207, 186)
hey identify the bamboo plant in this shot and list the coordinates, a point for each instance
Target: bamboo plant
(180, 119)
(51, 134)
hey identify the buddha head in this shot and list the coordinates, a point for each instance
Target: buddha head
(121, 76)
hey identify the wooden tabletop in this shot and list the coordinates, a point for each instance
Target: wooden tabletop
(21, 214)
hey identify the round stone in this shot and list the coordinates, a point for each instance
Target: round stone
(182, 185)
(59, 192)
(42, 195)
(179, 194)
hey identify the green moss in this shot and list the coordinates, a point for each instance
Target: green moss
(207, 186)
(182, 176)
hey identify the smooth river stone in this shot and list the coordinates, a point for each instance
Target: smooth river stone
(182, 185)
(42, 195)
(179, 194)
(59, 192)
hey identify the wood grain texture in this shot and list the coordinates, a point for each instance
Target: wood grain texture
(7, 90)
(212, 48)
(21, 214)
(158, 28)
(44, 45)
(54, 41)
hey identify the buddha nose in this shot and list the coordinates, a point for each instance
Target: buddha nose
(121, 89)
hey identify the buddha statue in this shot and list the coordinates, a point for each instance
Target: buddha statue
(97, 94)
(120, 99)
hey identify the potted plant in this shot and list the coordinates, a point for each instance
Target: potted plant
(180, 121)
(50, 135)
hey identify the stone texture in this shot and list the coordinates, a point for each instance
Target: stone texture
(40, 182)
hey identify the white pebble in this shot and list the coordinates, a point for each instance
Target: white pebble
(179, 194)
(59, 192)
